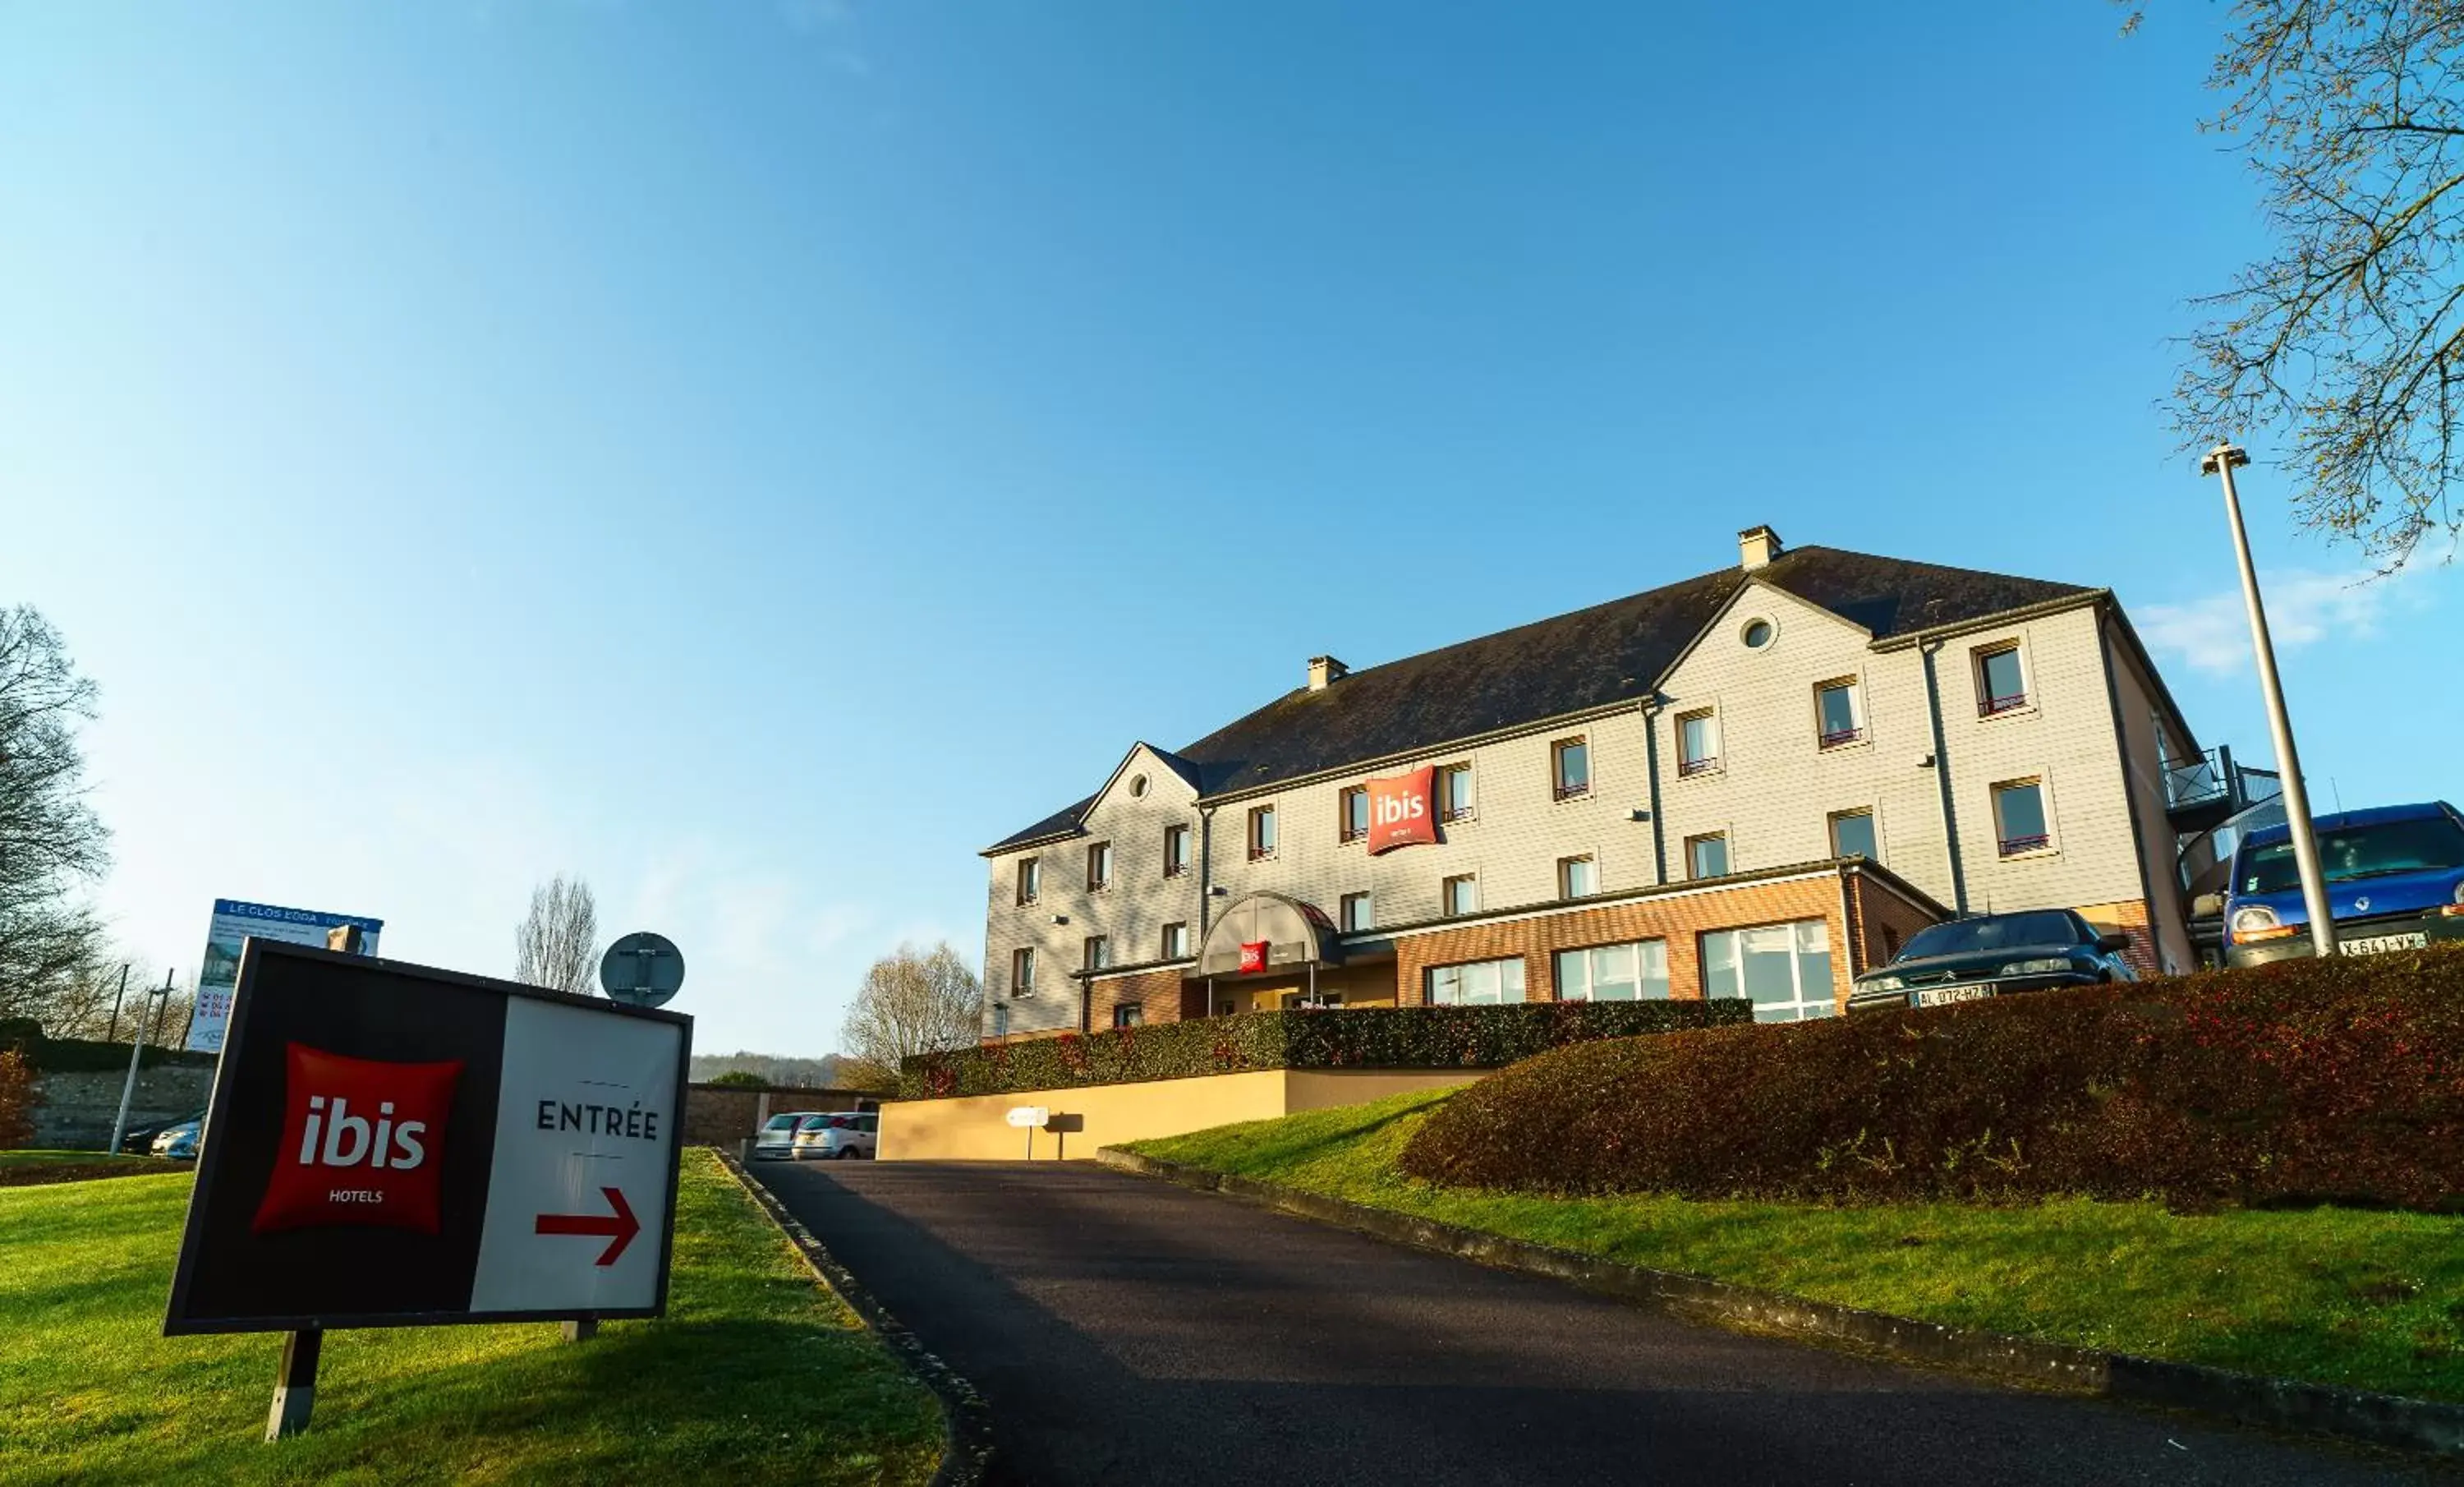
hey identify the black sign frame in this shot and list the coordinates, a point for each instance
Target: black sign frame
(255, 953)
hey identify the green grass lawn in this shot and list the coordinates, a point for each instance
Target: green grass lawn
(755, 1375)
(2363, 1299)
(22, 1167)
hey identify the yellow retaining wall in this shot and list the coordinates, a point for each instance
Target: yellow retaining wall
(977, 1128)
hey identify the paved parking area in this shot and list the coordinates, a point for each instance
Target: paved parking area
(1129, 1331)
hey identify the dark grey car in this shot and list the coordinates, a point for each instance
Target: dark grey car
(1965, 960)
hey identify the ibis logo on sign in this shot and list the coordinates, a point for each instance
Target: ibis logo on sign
(1401, 810)
(357, 1137)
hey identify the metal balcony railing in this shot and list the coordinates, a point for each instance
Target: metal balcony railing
(2201, 792)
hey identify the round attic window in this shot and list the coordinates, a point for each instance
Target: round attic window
(1757, 634)
(1138, 787)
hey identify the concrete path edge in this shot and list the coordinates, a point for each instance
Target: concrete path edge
(2385, 1420)
(966, 1420)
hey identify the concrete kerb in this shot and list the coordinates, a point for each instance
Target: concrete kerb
(967, 1422)
(2383, 1420)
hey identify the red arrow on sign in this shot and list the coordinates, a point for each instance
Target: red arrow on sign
(620, 1227)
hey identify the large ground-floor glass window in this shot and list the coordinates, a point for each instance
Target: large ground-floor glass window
(1480, 982)
(1784, 969)
(1614, 973)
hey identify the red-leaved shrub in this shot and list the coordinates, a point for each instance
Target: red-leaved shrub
(18, 1098)
(2338, 1080)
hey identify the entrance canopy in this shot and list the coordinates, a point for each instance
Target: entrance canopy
(1295, 935)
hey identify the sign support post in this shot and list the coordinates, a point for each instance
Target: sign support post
(295, 1387)
(581, 1329)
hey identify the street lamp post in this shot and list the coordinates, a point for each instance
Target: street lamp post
(2221, 461)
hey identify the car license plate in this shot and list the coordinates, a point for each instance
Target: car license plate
(2380, 944)
(1944, 996)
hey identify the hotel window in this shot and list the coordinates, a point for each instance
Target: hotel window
(2001, 680)
(2019, 816)
(1358, 913)
(1454, 793)
(1099, 866)
(1099, 951)
(1785, 969)
(1129, 1014)
(1299, 1000)
(1021, 971)
(1175, 851)
(1851, 835)
(1261, 833)
(1698, 743)
(1000, 1020)
(1637, 972)
(1176, 941)
(1030, 878)
(1571, 766)
(1481, 983)
(1577, 877)
(1460, 896)
(1707, 857)
(1837, 717)
(1354, 823)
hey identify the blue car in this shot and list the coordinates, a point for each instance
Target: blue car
(2396, 881)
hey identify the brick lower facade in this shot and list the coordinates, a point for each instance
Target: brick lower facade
(1677, 920)
(2130, 918)
(1156, 993)
(1867, 915)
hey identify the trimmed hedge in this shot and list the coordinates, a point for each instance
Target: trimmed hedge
(1365, 1037)
(82, 1055)
(2306, 1082)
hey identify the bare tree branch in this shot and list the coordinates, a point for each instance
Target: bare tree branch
(558, 944)
(2349, 335)
(50, 841)
(913, 1003)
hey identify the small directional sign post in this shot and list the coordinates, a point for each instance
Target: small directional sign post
(1031, 1119)
(394, 1145)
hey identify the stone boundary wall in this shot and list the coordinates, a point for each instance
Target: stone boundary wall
(722, 1115)
(77, 1108)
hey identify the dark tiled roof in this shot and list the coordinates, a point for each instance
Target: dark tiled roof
(1590, 659)
(1893, 596)
(1061, 823)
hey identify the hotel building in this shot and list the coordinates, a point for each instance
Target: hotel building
(1757, 781)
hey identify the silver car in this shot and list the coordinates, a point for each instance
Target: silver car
(776, 1140)
(179, 1143)
(841, 1136)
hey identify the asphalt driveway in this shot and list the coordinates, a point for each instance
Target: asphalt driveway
(1125, 1330)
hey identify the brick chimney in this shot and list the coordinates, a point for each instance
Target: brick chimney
(1757, 546)
(1324, 671)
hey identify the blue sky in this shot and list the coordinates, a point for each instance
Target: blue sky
(755, 454)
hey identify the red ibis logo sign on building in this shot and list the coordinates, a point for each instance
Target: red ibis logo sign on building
(1253, 956)
(1401, 813)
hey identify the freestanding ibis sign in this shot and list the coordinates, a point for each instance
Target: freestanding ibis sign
(391, 1145)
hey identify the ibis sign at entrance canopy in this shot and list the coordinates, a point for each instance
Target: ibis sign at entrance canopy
(392, 1145)
(1401, 813)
